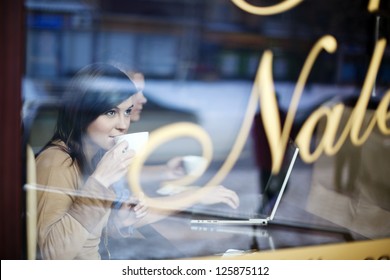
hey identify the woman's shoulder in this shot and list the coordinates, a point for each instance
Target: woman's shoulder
(54, 155)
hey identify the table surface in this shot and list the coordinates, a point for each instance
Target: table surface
(294, 226)
(175, 238)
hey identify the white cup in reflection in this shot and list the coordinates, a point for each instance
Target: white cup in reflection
(136, 140)
(194, 165)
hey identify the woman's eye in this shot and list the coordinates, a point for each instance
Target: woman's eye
(110, 113)
(128, 112)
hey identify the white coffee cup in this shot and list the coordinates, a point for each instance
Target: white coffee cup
(136, 140)
(194, 165)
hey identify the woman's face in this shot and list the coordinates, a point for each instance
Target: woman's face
(114, 122)
(139, 101)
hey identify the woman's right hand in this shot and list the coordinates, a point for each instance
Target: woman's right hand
(221, 194)
(114, 164)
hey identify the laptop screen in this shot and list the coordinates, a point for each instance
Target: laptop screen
(277, 183)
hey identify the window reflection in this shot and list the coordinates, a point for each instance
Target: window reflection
(199, 60)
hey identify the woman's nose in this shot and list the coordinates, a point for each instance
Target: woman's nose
(142, 98)
(123, 123)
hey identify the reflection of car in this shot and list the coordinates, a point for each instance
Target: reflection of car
(220, 106)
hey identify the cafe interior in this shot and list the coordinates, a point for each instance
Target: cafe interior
(209, 65)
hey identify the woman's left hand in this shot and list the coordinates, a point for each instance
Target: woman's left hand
(129, 213)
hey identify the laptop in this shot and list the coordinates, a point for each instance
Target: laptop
(255, 208)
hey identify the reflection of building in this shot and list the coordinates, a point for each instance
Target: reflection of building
(193, 39)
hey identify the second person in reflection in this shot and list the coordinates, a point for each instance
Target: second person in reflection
(173, 169)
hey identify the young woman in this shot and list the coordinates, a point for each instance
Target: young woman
(80, 164)
(81, 168)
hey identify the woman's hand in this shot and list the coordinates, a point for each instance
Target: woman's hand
(172, 170)
(114, 164)
(175, 168)
(122, 221)
(129, 213)
(220, 194)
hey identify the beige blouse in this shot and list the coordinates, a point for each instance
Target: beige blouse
(71, 213)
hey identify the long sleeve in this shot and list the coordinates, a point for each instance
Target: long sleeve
(69, 225)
